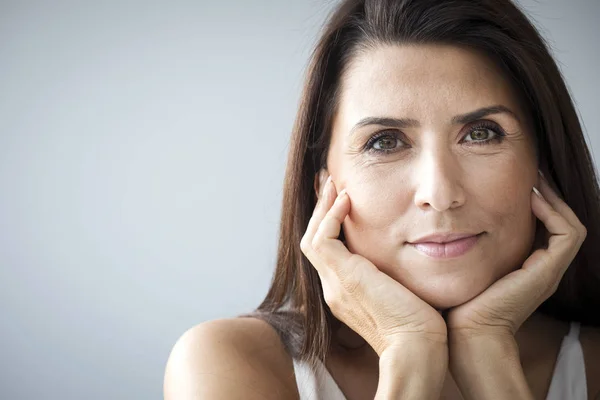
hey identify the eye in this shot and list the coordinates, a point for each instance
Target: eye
(484, 132)
(481, 134)
(384, 142)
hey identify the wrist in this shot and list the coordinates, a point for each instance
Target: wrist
(487, 367)
(413, 352)
(412, 371)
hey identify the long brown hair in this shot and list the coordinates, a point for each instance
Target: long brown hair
(294, 303)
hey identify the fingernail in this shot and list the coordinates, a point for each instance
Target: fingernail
(537, 192)
(541, 173)
(342, 193)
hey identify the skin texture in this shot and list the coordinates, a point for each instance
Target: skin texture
(436, 178)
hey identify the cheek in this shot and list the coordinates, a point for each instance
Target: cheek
(378, 201)
(507, 203)
(380, 206)
(504, 199)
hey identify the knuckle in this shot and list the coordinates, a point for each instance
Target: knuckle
(574, 234)
(552, 288)
(304, 244)
(582, 231)
(349, 280)
(332, 300)
(317, 243)
(350, 284)
(553, 280)
(578, 233)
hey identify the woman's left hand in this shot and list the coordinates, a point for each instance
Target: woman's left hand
(483, 353)
(500, 310)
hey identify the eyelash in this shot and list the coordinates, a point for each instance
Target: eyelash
(498, 137)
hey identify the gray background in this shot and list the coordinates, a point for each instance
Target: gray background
(142, 152)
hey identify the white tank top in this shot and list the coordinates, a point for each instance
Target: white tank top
(568, 380)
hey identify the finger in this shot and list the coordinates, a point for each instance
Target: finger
(564, 241)
(555, 222)
(540, 276)
(325, 242)
(323, 205)
(319, 184)
(557, 203)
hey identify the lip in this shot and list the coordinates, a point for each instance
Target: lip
(446, 245)
(443, 237)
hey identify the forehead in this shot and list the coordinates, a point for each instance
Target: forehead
(429, 83)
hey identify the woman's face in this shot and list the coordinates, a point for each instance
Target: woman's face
(454, 155)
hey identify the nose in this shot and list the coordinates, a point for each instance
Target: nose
(437, 180)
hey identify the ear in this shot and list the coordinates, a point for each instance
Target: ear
(320, 178)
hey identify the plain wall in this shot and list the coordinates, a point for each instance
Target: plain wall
(142, 152)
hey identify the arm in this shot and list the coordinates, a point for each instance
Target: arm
(412, 371)
(486, 368)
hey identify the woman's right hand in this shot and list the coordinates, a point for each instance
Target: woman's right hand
(381, 310)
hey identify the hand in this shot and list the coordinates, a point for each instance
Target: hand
(501, 309)
(378, 308)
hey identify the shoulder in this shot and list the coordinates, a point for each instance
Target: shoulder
(589, 338)
(230, 358)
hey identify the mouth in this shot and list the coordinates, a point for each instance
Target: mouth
(447, 248)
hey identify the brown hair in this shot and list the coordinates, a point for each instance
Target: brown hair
(294, 304)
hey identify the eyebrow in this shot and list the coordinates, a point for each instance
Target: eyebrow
(402, 123)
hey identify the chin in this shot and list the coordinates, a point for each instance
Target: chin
(447, 292)
(445, 298)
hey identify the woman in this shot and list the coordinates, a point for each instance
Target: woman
(453, 251)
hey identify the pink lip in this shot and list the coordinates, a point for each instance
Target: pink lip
(446, 246)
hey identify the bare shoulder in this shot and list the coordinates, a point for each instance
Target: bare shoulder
(235, 358)
(590, 344)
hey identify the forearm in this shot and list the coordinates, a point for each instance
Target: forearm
(486, 368)
(412, 372)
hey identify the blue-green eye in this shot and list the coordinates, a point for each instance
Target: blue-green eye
(484, 132)
(481, 134)
(384, 142)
